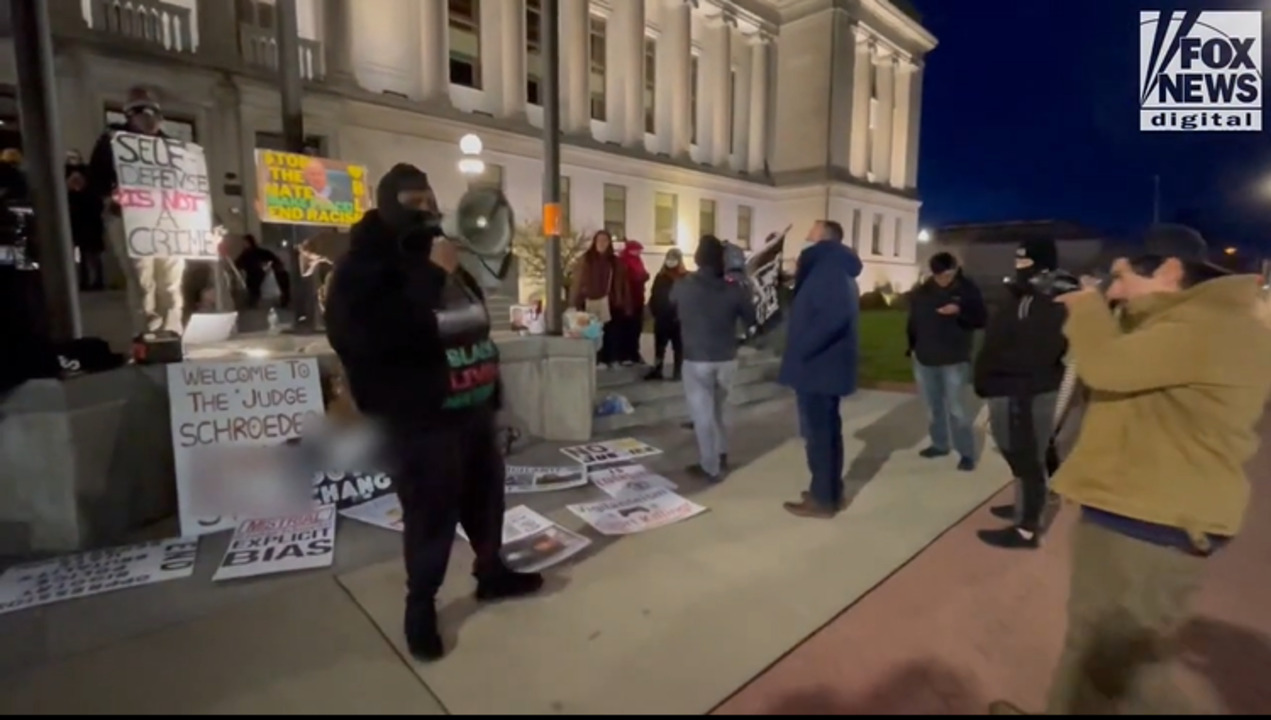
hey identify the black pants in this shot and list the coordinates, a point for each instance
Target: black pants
(1025, 426)
(667, 332)
(92, 273)
(255, 281)
(447, 477)
(632, 327)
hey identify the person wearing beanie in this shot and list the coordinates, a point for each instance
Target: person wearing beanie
(709, 308)
(1018, 372)
(945, 311)
(412, 332)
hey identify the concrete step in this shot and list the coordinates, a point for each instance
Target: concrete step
(675, 409)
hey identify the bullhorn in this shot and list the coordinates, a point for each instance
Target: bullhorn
(483, 227)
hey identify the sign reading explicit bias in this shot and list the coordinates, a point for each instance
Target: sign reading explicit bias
(299, 189)
(164, 197)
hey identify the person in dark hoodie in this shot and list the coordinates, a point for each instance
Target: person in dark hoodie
(413, 334)
(944, 313)
(88, 232)
(666, 323)
(1019, 371)
(820, 360)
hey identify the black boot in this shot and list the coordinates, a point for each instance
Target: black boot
(503, 584)
(1003, 512)
(422, 638)
(655, 373)
(1011, 538)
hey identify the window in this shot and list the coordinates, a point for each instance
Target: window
(876, 243)
(856, 229)
(533, 51)
(664, 215)
(732, 111)
(693, 69)
(256, 13)
(616, 211)
(596, 82)
(566, 228)
(465, 43)
(706, 217)
(314, 144)
(179, 128)
(895, 243)
(745, 217)
(492, 177)
(650, 83)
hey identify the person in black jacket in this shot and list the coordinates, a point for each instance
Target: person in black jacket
(1019, 371)
(413, 334)
(666, 323)
(944, 313)
(87, 229)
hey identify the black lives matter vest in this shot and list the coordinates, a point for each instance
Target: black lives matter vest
(464, 328)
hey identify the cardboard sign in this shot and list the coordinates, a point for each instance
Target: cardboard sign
(164, 196)
(610, 451)
(304, 190)
(288, 544)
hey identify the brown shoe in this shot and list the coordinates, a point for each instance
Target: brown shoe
(809, 509)
(807, 498)
(1003, 707)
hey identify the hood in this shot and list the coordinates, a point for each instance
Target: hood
(831, 254)
(402, 177)
(632, 247)
(1220, 296)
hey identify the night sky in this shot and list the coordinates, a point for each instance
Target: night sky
(1030, 112)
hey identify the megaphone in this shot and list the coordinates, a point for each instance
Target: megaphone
(483, 227)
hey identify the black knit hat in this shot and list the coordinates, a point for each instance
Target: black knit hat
(1042, 251)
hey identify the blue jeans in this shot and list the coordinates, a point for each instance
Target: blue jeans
(822, 428)
(944, 389)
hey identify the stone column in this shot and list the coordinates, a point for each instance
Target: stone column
(715, 83)
(757, 132)
(631, 14)
(337, 41)
(434, 52)
(512, 56)
(740, 150)
(575, 67)
(900, 125)
(675, 53)
(862, 85)
(880, 164)
(915, 126)
(218, 30)
(615, 74)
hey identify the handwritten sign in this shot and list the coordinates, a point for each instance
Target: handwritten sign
(164, 195)
(299, 189)
(234, 405)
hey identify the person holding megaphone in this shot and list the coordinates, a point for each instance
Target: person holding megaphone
(411, 329)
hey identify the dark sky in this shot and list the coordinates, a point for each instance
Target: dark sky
(1030, 112)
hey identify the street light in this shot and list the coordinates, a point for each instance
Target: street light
(1229, 251)
(924, 235)
(471, 164)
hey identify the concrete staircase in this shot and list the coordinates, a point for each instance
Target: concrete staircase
(657, 402)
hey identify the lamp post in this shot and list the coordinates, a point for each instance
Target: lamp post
(471, 165)
(924, 236)
(549, 36)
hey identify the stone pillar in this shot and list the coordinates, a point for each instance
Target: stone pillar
(715, 83)
(740, 150)
(915, 126)
(862, 84)
(512, 56)
(575, 67)
(884, 70)
(630, 16)
(675, 53)
(901, 117)
(337, 41)
(218, 31)
(434, 52)
(757, 132)
(615, 73)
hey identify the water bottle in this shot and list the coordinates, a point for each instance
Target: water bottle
(273, 321)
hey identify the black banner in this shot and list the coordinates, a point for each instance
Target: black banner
(763, 269)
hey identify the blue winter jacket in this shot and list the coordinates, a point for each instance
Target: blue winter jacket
(821, 338)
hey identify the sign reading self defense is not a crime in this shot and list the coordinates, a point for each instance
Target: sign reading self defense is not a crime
(219, 411)
(164, 197)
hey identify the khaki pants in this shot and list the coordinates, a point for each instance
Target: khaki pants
(154, 284)
(1127, 602)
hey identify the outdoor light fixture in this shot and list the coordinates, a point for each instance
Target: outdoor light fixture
(1229, 251)
(924, 235)
(470, 145)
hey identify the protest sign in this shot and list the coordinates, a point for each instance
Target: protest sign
(220, 408)
(164, 197)
(637, 513)
(610, 451)
(524, 479)
(532, 543)
(346, 489)
(264, 547)
(382, 512)
(96, 572)
(628, 481)
(299, 189)
(764, 272)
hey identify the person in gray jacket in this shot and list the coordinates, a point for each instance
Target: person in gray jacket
(710, 306)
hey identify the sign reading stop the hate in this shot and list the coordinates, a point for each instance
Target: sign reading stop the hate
(230, 425)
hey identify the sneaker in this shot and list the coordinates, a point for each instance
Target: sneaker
(933, 452)
(697, 472)
(1003, 512)
(655, 373)
(508, 585)
(422, 637)
(1011, 538)
(604, 366)
(966, 464)
(627, 363)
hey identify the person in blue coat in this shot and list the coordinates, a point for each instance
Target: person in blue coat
(821, 358)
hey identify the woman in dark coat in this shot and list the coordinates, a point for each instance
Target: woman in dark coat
(87, 229)
(666, 323)
(600, 287)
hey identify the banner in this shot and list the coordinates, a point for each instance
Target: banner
(219, 411)
(164, 197)
(524, 479)
(347, 489)
(382, 512)
(299, 189)
(637, 513)
(610, 451)
(532, 543)
(276, 545)
(96, 572)
(764, 271)
(629, 481)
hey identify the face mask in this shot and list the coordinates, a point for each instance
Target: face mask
(672, 264)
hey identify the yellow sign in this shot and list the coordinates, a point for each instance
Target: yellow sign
(296, 189)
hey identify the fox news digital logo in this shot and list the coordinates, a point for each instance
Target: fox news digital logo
(1200, 71)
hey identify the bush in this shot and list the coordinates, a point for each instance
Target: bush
(530, 248)
(874, 300)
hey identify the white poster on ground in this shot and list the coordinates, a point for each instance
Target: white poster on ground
(164, 197)
(610, 451)
(382, 512)
(96, 572)
(637, 513)
(526, 479)
(532, 543)
(628, 480)
(276, 545)
(349, 489)
(223, 415)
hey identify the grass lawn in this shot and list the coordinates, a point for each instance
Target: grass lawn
(882, 350)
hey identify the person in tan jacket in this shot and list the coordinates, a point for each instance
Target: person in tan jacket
(1177, 387)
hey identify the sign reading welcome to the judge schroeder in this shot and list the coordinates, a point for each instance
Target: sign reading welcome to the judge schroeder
(295, 189)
